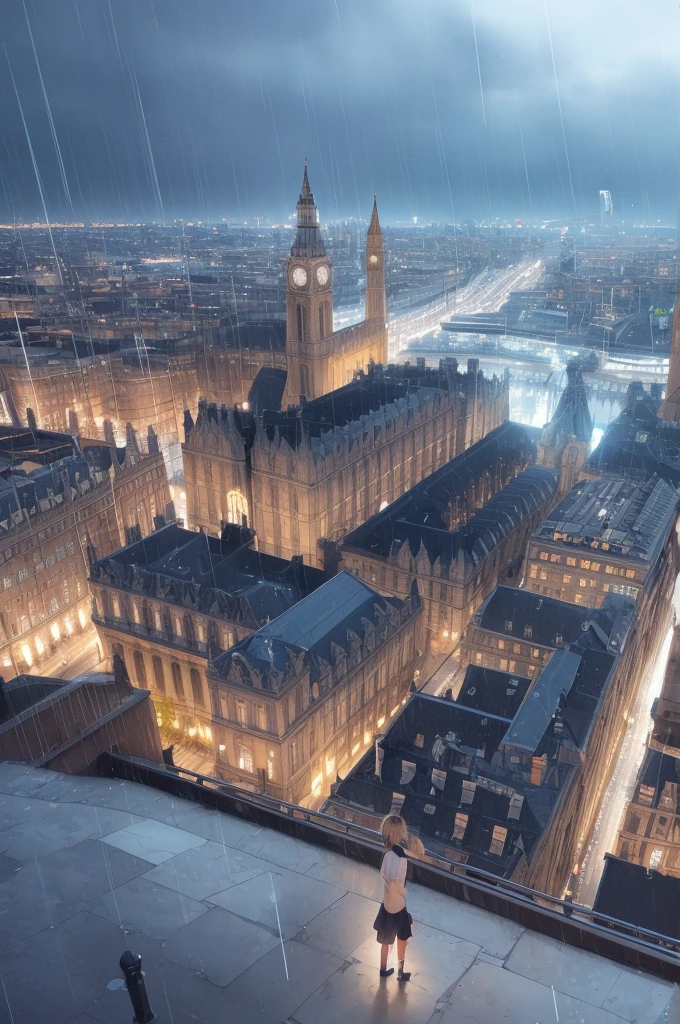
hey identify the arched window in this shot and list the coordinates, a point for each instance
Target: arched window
(140, 669)
(177, 680)
(300, 322)
(196, 686)
(158, 674)
(237, 508)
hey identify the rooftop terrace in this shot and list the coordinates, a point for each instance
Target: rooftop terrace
(238, 922)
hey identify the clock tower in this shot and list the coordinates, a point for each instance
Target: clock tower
(376, 300)
(309, 297)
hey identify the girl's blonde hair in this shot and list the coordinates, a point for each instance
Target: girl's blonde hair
(393, 830)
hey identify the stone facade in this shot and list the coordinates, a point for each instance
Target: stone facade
(52, 522)
(602, 538)
(457, 531)
(320, 360)
(301, 699)
(312, 475)
(169, 603)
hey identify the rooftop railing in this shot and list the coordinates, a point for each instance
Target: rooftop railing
(576, 925)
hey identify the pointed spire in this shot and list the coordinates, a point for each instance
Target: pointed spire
(305, 191)
(374, 226)
(308, 242)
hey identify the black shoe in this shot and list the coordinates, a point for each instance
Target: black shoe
(386, 974)
(404, 976)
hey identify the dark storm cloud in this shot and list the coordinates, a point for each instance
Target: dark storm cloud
(380, 95)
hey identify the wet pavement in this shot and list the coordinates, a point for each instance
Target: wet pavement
(236, 923)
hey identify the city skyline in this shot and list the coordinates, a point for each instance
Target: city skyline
(137, 112)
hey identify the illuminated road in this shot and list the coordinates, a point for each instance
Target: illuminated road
(81, 655)
(486, 293)
(622, 782)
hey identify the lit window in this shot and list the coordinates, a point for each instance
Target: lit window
(630, 573)
(571, 561)
(566, 579)
(655, 858)
(543, 556)
(585, 563)
(270, 769)
(261, 716)
(245, 758)
(554, 558)
(595, 566)
(583, 583)
(578, 598)
(241, 715)
(533, 572)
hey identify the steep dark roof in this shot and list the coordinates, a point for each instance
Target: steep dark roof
(222, 577)
(418, 515)
(453, 754)
(511, 611)
(315, 631)
(485, 689)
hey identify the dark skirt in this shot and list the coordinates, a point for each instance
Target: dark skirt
(392, 926)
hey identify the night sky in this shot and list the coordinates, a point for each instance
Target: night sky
(449, 109)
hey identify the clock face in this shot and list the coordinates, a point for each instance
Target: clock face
(299, 276)
(322, 275)
(373, 259)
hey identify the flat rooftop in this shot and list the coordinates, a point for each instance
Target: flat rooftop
(240, 923)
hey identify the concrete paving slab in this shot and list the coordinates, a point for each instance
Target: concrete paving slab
(144, 906)
(336, 929)
(276, 988)
(279, 899)
(153, 840)
(210, 869)
(219, 946)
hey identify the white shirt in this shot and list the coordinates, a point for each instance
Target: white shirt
(393, 874)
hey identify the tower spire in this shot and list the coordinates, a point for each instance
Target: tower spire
(308, 242)
(374, 226)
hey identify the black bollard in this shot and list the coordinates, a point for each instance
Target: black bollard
(131, 966)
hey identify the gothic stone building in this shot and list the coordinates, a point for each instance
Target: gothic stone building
(457, 531)
(59, 503)
(319, 359)
(169, 602)
(300, 700)
(313, 473)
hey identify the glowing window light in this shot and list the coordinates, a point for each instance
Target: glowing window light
(55, 631)
(28, 657)
(69, 625)
(81, 617)
(330, 765)
(39, 645)
(208, 732)
(222, 748)
(381, 722)
(317, 783)
(192, 730)
(394, 711)
(367, 738)
(355, 748)
(175, 724)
